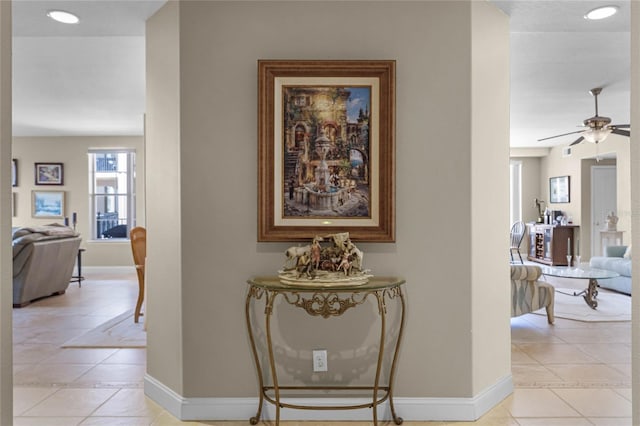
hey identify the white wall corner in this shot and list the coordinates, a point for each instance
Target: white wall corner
(410, 409)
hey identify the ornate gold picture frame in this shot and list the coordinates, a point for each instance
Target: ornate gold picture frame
(326, 149)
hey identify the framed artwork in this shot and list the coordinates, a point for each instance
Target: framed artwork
(559, 189)
(326, 149)
(47, 204)
(49, 174)
(14, 172)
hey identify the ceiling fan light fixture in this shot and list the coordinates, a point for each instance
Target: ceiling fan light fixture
(601, 13)
(596, 135)
(63, 16)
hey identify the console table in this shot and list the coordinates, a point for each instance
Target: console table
(550, 244)
(325, 302)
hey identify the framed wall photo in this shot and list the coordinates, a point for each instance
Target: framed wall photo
(49, 174)
(14, 172)
(559, 189)
(326, 149)
(47, 204)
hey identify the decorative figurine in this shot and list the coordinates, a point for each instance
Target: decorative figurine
(538, 205)
(612, 221)
(337, 264)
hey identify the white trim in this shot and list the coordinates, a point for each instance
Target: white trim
(410, 409)
(598, 220)
(108, 150)
(109, 269)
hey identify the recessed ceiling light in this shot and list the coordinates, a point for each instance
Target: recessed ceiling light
(62, 16)
(601, 12)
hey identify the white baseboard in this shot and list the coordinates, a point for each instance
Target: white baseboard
(116, 270)
(410, 409)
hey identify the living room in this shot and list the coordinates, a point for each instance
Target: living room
(183, 256)
(537, 169)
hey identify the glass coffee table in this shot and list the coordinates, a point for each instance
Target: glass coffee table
(583, 272)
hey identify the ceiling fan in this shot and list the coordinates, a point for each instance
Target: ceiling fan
(598, 127)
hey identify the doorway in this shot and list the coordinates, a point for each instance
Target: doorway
(604, 199)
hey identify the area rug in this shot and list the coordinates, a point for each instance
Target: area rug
(612, 306)
(118, 332)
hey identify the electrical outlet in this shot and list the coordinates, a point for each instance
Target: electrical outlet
(320, 360)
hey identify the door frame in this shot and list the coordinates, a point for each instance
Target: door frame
(595, 228)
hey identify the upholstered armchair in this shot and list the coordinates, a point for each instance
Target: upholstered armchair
(43, 261)
(528, 294)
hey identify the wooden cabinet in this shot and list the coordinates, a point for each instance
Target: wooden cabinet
(550, 244)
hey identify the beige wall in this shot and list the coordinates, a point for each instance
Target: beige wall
(6, 289)
(207, 249)
(489, 188)
(635, 204)
(530, 187)
(530, 190)
(164, 204)
(72, 152)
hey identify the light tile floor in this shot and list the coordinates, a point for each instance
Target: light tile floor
(568, 374)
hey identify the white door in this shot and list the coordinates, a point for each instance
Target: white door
(603, 201)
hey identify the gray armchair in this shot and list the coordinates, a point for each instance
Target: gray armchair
(43, 261)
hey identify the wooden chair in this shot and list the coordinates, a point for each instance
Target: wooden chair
(138, 236)
(517, 235)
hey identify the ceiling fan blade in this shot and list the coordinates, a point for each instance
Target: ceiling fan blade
(619, 125)
(577, 141)
(557, 136)
(621, 132)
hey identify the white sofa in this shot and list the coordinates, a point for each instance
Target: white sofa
(616, 259)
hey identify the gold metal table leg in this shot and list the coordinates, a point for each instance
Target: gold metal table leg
(397, 420)
(382, 311)
(272, 363)
(257, 293)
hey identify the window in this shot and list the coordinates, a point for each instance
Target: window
(515, 175)
(112, 193)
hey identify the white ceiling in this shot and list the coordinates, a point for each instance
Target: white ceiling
(557, 56)
(88, 78)
(83, 79)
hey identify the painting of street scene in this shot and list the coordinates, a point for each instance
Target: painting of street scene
(326, 158)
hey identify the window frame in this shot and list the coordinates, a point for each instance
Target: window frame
(515, 190)
(129, 172)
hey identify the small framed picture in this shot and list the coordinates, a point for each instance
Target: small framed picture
(559, 189)
(47, 204)
(14, 172)
(49, 174)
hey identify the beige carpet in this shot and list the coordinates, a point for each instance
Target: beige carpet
(612, 306)
(118, 332)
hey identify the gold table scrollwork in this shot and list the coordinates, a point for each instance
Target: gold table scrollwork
(325, 301)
